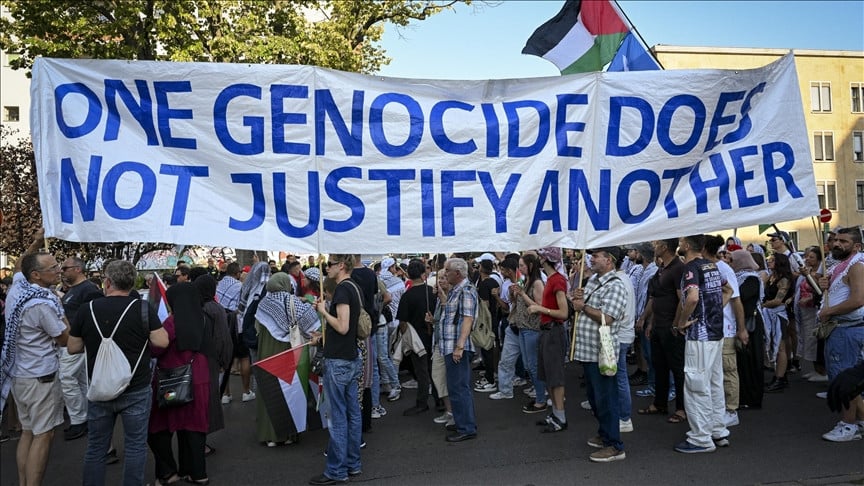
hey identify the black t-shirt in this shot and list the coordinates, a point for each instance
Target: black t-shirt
(79, 295)
(484, 291)
(665, 292)
(337, 345)
(413, 306)
(131, 335)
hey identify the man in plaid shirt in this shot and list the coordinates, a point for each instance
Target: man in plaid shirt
(453, 337)
(604, 293)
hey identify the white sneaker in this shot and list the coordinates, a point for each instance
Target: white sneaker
(378, 412)
(822, 395)
(625, 425)
(450, 422)
(226, 399)
(731, 418)
(500, 396)
(487, 388)
(410, 384)
(530, 392)
(586, 405)
(443, 419)
(519, 381)
(817, 378)
(843, 432)
(808, 375)
(394, 394)
(248, 397)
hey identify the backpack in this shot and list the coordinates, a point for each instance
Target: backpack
(482, 335)
(111, 371)
(364, 323)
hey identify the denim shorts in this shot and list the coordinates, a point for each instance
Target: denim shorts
(844, 348)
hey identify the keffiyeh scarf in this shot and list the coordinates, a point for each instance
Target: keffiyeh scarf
(25, 296)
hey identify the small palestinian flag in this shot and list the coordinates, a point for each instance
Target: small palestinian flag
(156, 297)
(289, 391)
(583, 37)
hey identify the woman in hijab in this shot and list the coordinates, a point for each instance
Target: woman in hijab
(283, 321)
(751, 356)
(187, 341)
(219, 353)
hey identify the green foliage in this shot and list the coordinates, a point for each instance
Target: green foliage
(338, 34)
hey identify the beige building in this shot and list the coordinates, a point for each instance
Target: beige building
(832, 92)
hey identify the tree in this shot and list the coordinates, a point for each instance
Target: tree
(337, 34)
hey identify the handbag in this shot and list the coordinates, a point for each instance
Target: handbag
(824, 329)
(174, 386)
(364, 324)
(608, 359)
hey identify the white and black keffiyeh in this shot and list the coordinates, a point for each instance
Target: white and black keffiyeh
(282, 311)
(25, 295)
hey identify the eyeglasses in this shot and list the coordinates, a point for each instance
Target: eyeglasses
(70, 266)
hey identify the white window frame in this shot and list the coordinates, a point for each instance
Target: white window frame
(859, 87)
(817, 105)
(824, 201)
(816, 153)
(859, 195)
(857, 152)
(7, 111)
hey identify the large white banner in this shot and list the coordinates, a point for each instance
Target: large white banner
(314, 160)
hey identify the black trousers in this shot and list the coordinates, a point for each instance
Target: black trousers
(667, 354)
(751, 376)
(421, 366)
(190, 454)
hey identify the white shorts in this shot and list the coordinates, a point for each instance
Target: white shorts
(40, 405)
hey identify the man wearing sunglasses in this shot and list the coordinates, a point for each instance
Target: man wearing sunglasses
(73, 373)
(34, 315)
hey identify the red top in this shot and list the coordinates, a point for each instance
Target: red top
(192, 416)
(556, 282)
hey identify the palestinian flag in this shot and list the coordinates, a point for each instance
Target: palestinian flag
(583, 37)
(157, 297)
(289, 391)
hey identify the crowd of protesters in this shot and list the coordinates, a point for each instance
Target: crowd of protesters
(699, 318)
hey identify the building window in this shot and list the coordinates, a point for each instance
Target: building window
(857, 97)
(859, 194)
(820, 96)
(827, 192)
(823, 146)
(858, 146)
(11, 114)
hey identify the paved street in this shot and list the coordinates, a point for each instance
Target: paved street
(780, 444)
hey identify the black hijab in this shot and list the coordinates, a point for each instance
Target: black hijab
(185, 302)
(206, 286)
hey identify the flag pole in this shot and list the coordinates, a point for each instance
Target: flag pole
(576, 316)
(321, 293)
(633, 28)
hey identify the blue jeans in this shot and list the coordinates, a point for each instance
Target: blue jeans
(603, 396)
(341, 389)
(625, 403)
(529, 343)
(461, 394)
(507, 366)
(389, 374)
(375, 387)
(134, 410)
(844, 348)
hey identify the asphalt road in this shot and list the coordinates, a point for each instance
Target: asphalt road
(781, 443)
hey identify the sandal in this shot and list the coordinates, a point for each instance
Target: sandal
(676, 418)
(652, 410)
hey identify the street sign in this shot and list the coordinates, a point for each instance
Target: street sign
(825, 215)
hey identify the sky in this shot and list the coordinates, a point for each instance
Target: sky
(485, 40)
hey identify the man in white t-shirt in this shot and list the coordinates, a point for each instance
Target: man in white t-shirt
(733, 326)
